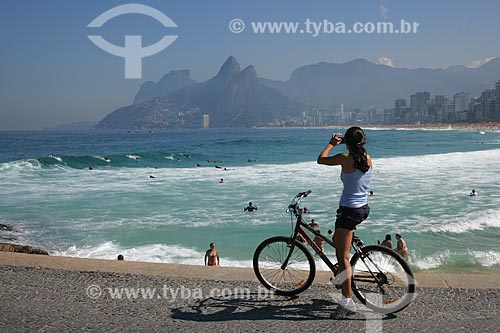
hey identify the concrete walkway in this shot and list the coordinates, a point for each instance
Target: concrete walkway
(37, 299)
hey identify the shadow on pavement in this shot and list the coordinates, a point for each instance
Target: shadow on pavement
(229, 309)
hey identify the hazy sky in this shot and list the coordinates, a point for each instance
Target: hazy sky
(51, 73)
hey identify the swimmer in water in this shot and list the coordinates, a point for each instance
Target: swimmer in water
(250, 207)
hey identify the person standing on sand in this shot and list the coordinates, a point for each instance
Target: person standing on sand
(356, 173)
(401, 247)
(212, 255)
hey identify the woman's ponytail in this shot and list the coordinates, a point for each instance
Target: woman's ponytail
(355, 139)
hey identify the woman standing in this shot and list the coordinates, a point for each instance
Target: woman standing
(356, 176)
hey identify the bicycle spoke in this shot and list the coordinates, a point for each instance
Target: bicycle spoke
(287, 278)
(381, 279)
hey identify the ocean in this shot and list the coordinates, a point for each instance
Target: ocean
(421, 184)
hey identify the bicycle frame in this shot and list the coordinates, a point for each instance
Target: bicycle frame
(299, 230)
(300, 225)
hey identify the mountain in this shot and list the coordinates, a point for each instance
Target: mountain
(232, 98)
(360, 83)
(169, 83)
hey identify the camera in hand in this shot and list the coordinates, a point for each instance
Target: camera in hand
(342, 139)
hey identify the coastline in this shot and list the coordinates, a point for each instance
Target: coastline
(486, 127)
(423, 279)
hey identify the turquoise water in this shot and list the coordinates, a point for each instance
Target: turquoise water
(421, 183)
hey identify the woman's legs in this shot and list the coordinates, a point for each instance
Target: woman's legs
(343, 239)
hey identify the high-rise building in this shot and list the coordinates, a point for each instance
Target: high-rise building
(439, 101)
(437, 110)
(476, 110)
(487, 102)
(399, 105)
(461, 100)
(419, 105)
(497, 99)
(449, 111)
(206, 121)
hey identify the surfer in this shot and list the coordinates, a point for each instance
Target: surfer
(57, 158)
(134, 157)
(105, 159)
(151, 177)
(473, 193)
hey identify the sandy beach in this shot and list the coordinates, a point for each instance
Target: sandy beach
(424, 279)
(53, 294)
(486, 127)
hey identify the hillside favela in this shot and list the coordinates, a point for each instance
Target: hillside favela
(324, 94)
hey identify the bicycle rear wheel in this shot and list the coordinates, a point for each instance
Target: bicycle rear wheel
(382, 280)
(293, 279)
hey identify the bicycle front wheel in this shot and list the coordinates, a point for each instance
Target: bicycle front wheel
(382, 280)
(285, 279)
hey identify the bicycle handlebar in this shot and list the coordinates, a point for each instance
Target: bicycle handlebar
(303, 194)
(297, 199)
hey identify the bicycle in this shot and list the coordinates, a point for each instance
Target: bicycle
(381, 278)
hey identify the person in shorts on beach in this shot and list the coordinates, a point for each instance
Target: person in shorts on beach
(356, 173)
(212, 255)
(401, 247)
(317, 239)
(320, 242)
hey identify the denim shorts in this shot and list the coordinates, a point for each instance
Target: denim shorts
(348, 218)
